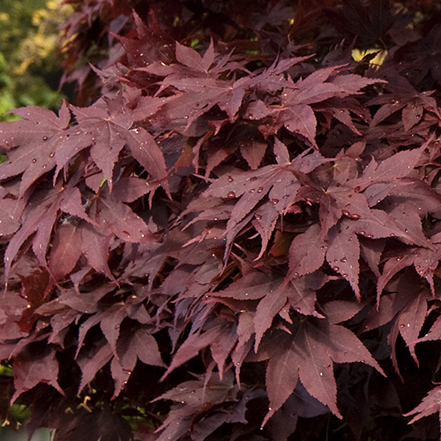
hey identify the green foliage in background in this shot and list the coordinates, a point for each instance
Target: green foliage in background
(29, 65)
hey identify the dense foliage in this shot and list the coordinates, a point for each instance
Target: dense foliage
(235, 232)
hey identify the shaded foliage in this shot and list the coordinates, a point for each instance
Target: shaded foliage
(234, 233)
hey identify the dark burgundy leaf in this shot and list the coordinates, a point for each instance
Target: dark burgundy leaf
(91, 362)
(66, 250)
(429, 404)
(343, 254)
(308, 355)
(31, 143)
(306, 253)
(31, 368)
(95, 248)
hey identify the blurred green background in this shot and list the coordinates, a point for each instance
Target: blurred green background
(30, 63)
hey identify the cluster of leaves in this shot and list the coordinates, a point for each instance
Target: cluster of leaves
(237, 240)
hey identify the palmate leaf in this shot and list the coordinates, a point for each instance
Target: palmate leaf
(32, 142)
(306, 253)
(118, 218)
(31, 368)
(308, 355)
(107, 132)
(218, 399)
(65, 251)
(297, 106)
(39, 217)
(430, 404)
(220, 337)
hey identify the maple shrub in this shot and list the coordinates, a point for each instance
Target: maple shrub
(235, 231)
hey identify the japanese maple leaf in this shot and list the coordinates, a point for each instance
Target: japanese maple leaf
(430, 404)
(403, 96)
(106, 127)
(273, 295)
(218, 399)
(39, 217)
(31, 368)
(406, 307)
(307, 354)
(65, 251)
(220, 337)
(296, 112)
(118, 218)
(11, 209)
(201, 83)
(31, 143)
(91, 361)
(277, 182)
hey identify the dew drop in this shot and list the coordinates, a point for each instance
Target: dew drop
(296, 275)
(231, 195)
(344, 274)
(362, 233)
(345, 213)
(251, 191)
(34, 161)
(355, 216)
(253, 178)
(45, 138)
(258, 216)
(343, 259)
(51, 155)
(370, 236)
(259, 190)
(335, 268)
(275, 201)
(230, 179)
